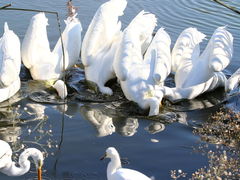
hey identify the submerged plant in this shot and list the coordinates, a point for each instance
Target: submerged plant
(222, 128)
(221, 166)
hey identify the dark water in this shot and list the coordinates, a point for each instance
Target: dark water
(73, 141)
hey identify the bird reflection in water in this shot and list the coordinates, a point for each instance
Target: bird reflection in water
(106, 122)
(155, 127)
(11, 135)
(102, 122)
(126, 126)
(36, 130)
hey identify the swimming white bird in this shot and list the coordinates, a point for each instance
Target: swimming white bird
(115, 170)
(100, 43)
(10, 64)
(43, 63)
(8, 167)
(140, 76)
(195, 73)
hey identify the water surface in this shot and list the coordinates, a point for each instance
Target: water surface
(74, 141)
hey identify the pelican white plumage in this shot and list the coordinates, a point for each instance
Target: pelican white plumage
(37, 56)
(195, 73)
(140, 76)
(100, 43)
(115, 170)
(10, 64)
(8, 167)
(233, 82)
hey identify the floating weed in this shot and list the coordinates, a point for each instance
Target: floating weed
(176, 174)
(222, 128)
(221, 166)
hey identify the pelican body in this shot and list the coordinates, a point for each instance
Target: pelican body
(115, 170)
(195, 73)
(10, 64)
(100, 43)
(37, 56)
(233, 82)
(140, 75)
(8, 167)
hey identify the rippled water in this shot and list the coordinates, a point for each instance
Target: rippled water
(74, 140)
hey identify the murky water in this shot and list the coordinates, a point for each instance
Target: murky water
(76, 134)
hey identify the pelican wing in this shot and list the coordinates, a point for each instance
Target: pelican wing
(159, 55)
(71, 37)
(233, 82)
(176, 94)
(134, 38)
(185, 54)
(186, 49)
(35, 45)
(219, 49)
(102, 29)
(10, 57)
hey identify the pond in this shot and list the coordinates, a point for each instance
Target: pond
(75, 135)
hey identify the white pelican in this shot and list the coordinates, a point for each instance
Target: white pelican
(10, 64)
(195, 73)
(115, 170)
(37, 56)
(140, 76)
(100, 43)
(8, 167)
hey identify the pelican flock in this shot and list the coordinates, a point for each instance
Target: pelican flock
(140, 61)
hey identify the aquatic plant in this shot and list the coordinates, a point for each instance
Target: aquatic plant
(221, 166)
(222, 128)
(176, 174)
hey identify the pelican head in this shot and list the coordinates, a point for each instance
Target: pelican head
(110, 153)
(8, 167)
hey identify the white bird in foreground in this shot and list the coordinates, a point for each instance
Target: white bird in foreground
(140, 76)
(37, 56)
(100, 43)
(195, 73)
(8, 167)
(115, 170)
(10, 64)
